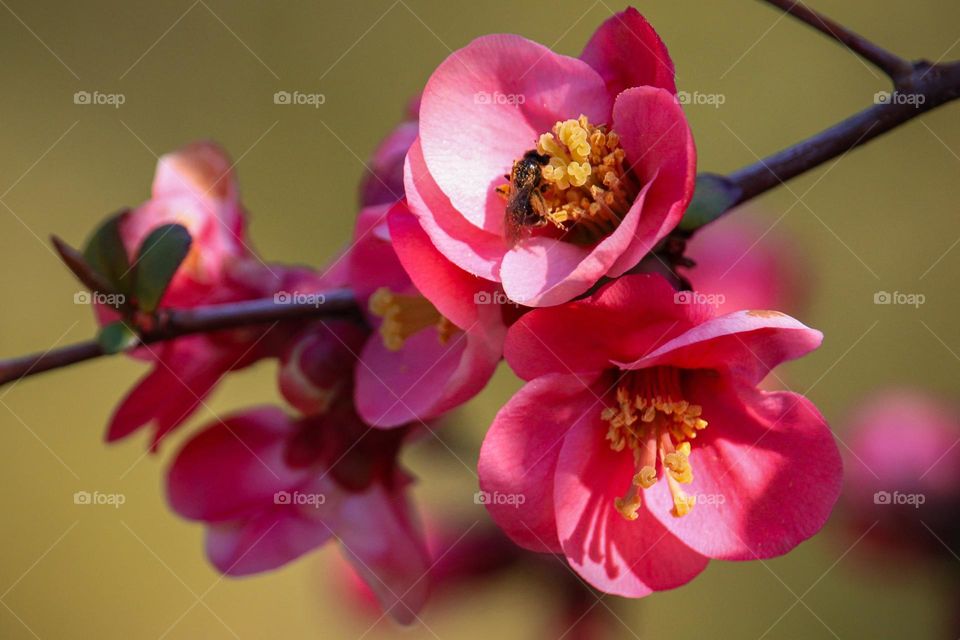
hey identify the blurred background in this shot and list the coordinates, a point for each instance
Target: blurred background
(884, 218)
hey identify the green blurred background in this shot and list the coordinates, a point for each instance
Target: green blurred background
(882, 218)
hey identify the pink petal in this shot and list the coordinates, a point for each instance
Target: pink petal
(380, 537)
(627, 558)
(383, 183)
(426, 378)
(269, 540)
(627, 52)
(659, 145)
(747, 344)
(519, 456)
(470, 248)
(201, 169)
(453, 291)
(744, 263)
(766, 473)
(470, 142)
(373, 261)
(166, 397)
(633, 314)
(233, 468)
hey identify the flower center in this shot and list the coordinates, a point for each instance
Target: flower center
(585, 189)
(653, 421)
(405, 315)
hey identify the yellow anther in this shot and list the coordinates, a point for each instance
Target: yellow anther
(405, 315)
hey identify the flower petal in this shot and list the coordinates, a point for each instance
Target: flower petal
(627, 558)
(627, 52)
(766, 473)
(201, 169)
(747, 344)
(453, 291)
(426, 378)
(659, 146)
(381, 539)
(471, 136)
(633, 314)
(519, 455)
(269, 540)
(470, 248)
(232, 469)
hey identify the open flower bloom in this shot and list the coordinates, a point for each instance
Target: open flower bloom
(195, 187)
(641, 445)
(545, 172)
(271, 488)
(439, 330)
(903, 474)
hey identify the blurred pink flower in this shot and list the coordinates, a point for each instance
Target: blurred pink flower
(618, 158)
(615, 419)
(270, 489)
(745, 264)
(440, 330)
(903, 474)
(383, 181)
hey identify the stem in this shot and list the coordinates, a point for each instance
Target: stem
(929, 86)
(894, 66)
(177, 323)
(935, 85)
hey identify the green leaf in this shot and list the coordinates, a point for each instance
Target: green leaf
(157, 260)
(117, 337)
(107, 256)
(713, 196)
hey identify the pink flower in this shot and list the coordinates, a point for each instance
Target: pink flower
(631, 397)
(903, 477)
(743, 264)
(608, 159)
(194, 187)
(270, 489)
(440, 330)
(383, 182)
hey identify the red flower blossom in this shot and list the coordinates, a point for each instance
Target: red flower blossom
(633, 396)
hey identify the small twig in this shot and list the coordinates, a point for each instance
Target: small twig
(177, 323)
(929, 87)
(892, 65)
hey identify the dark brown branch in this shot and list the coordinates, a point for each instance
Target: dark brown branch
(919, 87)
(177, 323)
(894, 66)
(930, 86)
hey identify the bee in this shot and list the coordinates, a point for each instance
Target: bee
(526, 206)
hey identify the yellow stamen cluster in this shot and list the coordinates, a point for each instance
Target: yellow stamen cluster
(405, 315)
(652, 421)
(589, 188)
